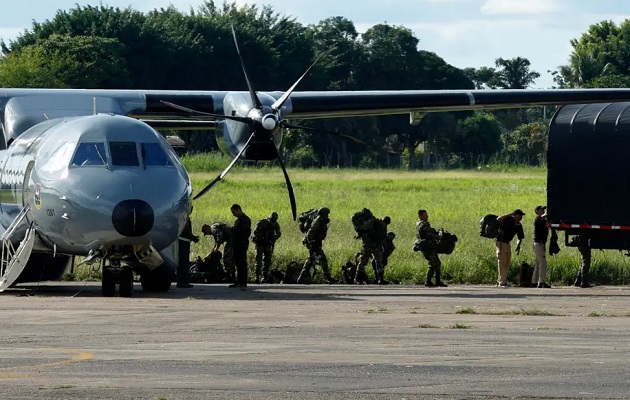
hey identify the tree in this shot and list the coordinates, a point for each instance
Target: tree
(514, 73)
(62, 61)
(483, 77)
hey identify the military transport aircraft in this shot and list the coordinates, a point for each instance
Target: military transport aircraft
(84, 172)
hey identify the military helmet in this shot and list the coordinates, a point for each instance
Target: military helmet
(391, 235)
(323, 212)
(273, 216)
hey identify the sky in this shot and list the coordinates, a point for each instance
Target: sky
(465, 33)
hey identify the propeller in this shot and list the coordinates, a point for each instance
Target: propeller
(226, 170)
(289, 186)
(265, 123)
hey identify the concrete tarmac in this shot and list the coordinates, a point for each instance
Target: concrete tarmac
(64, 341)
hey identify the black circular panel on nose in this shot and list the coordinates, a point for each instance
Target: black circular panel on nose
(133, 218)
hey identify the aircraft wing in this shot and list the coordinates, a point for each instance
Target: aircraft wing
(341, 104)
(362, 103)
(23, 108)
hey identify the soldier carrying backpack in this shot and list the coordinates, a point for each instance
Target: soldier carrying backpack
(265, 235)
(427, 242)
(373, 234)
(313, 238)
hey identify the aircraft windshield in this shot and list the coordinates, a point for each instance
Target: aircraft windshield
(154, 155)
(124, 154)
(90, 154)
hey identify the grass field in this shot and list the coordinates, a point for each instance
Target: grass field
(456, 200)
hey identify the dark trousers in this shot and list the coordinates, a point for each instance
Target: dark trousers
(183, 262)
(240, 260)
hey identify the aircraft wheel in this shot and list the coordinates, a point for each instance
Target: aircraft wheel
(126, 282)
(108, 282)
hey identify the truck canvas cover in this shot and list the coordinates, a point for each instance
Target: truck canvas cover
(588, 183)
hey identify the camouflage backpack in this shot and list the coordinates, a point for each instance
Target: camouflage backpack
(261, 232)
(305, 220)
(362, 221)
(293, 272)
(349, 271)
(446, 243)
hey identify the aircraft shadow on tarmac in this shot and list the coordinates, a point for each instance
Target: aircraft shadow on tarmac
(308, 292)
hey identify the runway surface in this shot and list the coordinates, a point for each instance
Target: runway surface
(315, 342)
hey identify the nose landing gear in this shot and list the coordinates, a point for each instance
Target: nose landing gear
(114, 273)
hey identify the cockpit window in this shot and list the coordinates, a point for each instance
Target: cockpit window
(154, 156)
(124, 154)
(90, 154)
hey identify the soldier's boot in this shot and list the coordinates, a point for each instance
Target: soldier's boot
(578, 279)
(330, 279)
(257, 278)
(438, 281)
(585, 283)
(380, 279)
(428, 283)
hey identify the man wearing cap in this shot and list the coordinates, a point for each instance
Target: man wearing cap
(541, 231)
(509, 226)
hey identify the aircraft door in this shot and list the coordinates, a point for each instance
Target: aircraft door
(27, 191)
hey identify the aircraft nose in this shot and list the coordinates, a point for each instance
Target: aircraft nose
(133, 218)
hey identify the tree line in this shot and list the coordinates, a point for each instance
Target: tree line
(122, 48)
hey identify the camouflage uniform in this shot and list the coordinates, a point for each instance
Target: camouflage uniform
(222, 234)
(313, 241)
(424, 231)
(582, 279)
(372, 246)
(265, 235)
(388, 248)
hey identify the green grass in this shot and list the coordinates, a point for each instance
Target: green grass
(456, 200)
(596, 314)
(460, 325)
(380, 310)
(465, 310)
(522, 311)
(427, 326)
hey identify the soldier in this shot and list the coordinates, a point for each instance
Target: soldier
(265, 235)
(509, 226)
(222, 234)
(313, 241)
(424, 231)
(183, 263)
(240, 242)
(388, 249)
(582, 279)
(372, 240)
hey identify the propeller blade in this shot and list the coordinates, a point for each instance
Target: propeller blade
(225, 171)
(278, 104)
(289, 186)
(307, 128)
(245, 120)
(255, 100)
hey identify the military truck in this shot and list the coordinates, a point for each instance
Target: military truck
(588, 183)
